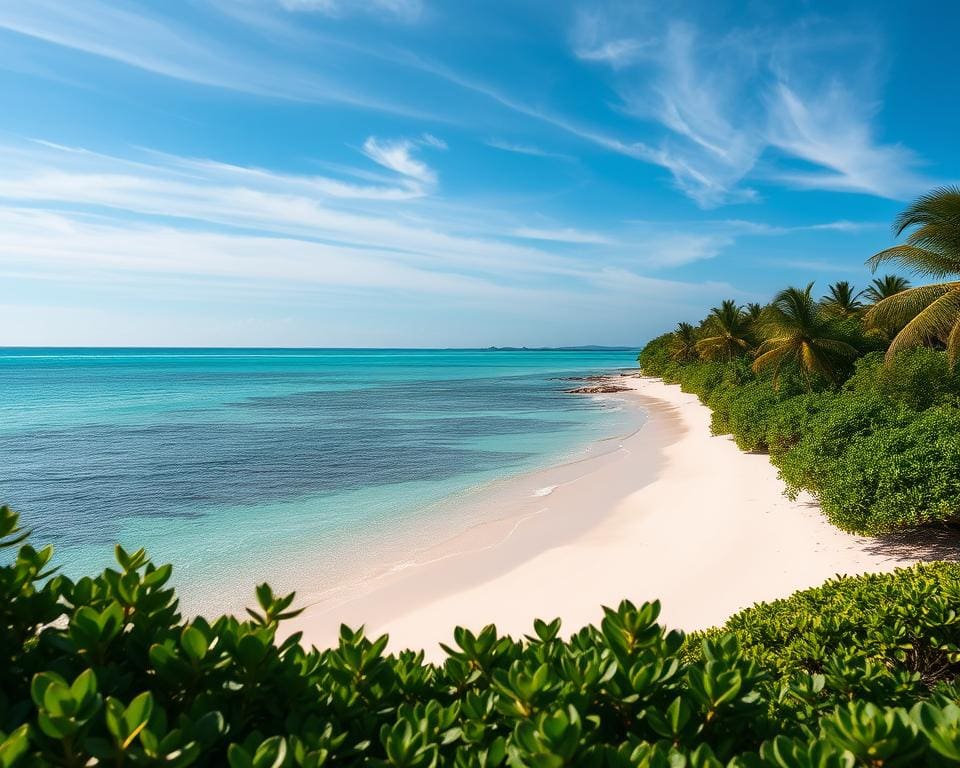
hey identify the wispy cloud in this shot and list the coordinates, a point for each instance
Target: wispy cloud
(678, 249)
(404, 9)
(525, 149)
(744, 227)
(720, 112)
(161, 223)
(222, 195)
(565, 235)
(397, 155)
(593, 42)
(725, 101)
(832, 132)
(430, 140)
(147, 40)
(616, 53)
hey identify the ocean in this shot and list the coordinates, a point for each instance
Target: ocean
(244, 464)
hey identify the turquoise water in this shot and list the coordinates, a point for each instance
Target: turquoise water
(228, 462)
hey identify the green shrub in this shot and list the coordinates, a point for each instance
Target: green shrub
(704, 378)
(902, 621)
(791, 420)
(902, 476)
(830, 433)
(744, 411)
(654, 358)
(918, 378)
(104, 671)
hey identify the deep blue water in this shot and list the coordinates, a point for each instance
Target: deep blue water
(216, 459)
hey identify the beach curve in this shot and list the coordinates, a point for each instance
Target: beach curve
(674, 513)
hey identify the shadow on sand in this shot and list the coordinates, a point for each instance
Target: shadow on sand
(920, 544)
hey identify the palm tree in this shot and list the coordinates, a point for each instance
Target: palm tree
(727, 329)
(842, 300)
(881, 288)
(683, 343)
(753, 311)
(926, 314)
(800, 331)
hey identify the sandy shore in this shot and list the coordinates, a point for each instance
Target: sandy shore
(671, 512)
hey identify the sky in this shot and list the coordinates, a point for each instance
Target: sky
(418, 173)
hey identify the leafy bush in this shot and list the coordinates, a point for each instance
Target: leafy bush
(790, 421)
(902, 622)
(104, 671)
(744, 412)
(830, 433)
(654, 358)
(901, 476)
(706, 378)
(918, 378)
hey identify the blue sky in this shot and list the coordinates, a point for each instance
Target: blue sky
(424, 173)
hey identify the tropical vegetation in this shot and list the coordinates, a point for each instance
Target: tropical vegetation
(104, 671)
(928, 313)
(855, 396)
(799, 332)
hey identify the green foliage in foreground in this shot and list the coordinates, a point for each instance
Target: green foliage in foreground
(104, 671)
(880, 452)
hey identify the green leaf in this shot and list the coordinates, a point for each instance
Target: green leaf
(194, 643)
(14, 746)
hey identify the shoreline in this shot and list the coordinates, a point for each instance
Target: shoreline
(673, 513)
(519, 504)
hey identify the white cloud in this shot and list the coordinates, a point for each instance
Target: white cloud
(564, 235)
(616, 53)
(849, 226)
(201, 193)
(718, 112)
(524, 149)
(397, 155)
(432, 141)
(723, 102)
(404, 188)
(160, 227)
(162, 45)
(742, 227)
(65, 244)
(407, 10)
(595, 41)
(831, 131)
(678, 249)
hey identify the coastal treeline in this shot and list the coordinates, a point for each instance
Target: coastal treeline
(104, 671)
(854, 393)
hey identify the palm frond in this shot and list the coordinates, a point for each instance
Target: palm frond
(940, 205)
(900, 308)
(837, 347)
(934, 322)
(814, 363)
(800, 329)
(918, 260)
(953, 344)
(774, 357)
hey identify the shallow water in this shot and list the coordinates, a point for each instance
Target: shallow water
(226, 461)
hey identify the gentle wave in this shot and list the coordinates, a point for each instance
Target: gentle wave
(545, 491)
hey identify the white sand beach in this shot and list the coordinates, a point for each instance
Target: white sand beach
(673, 513)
